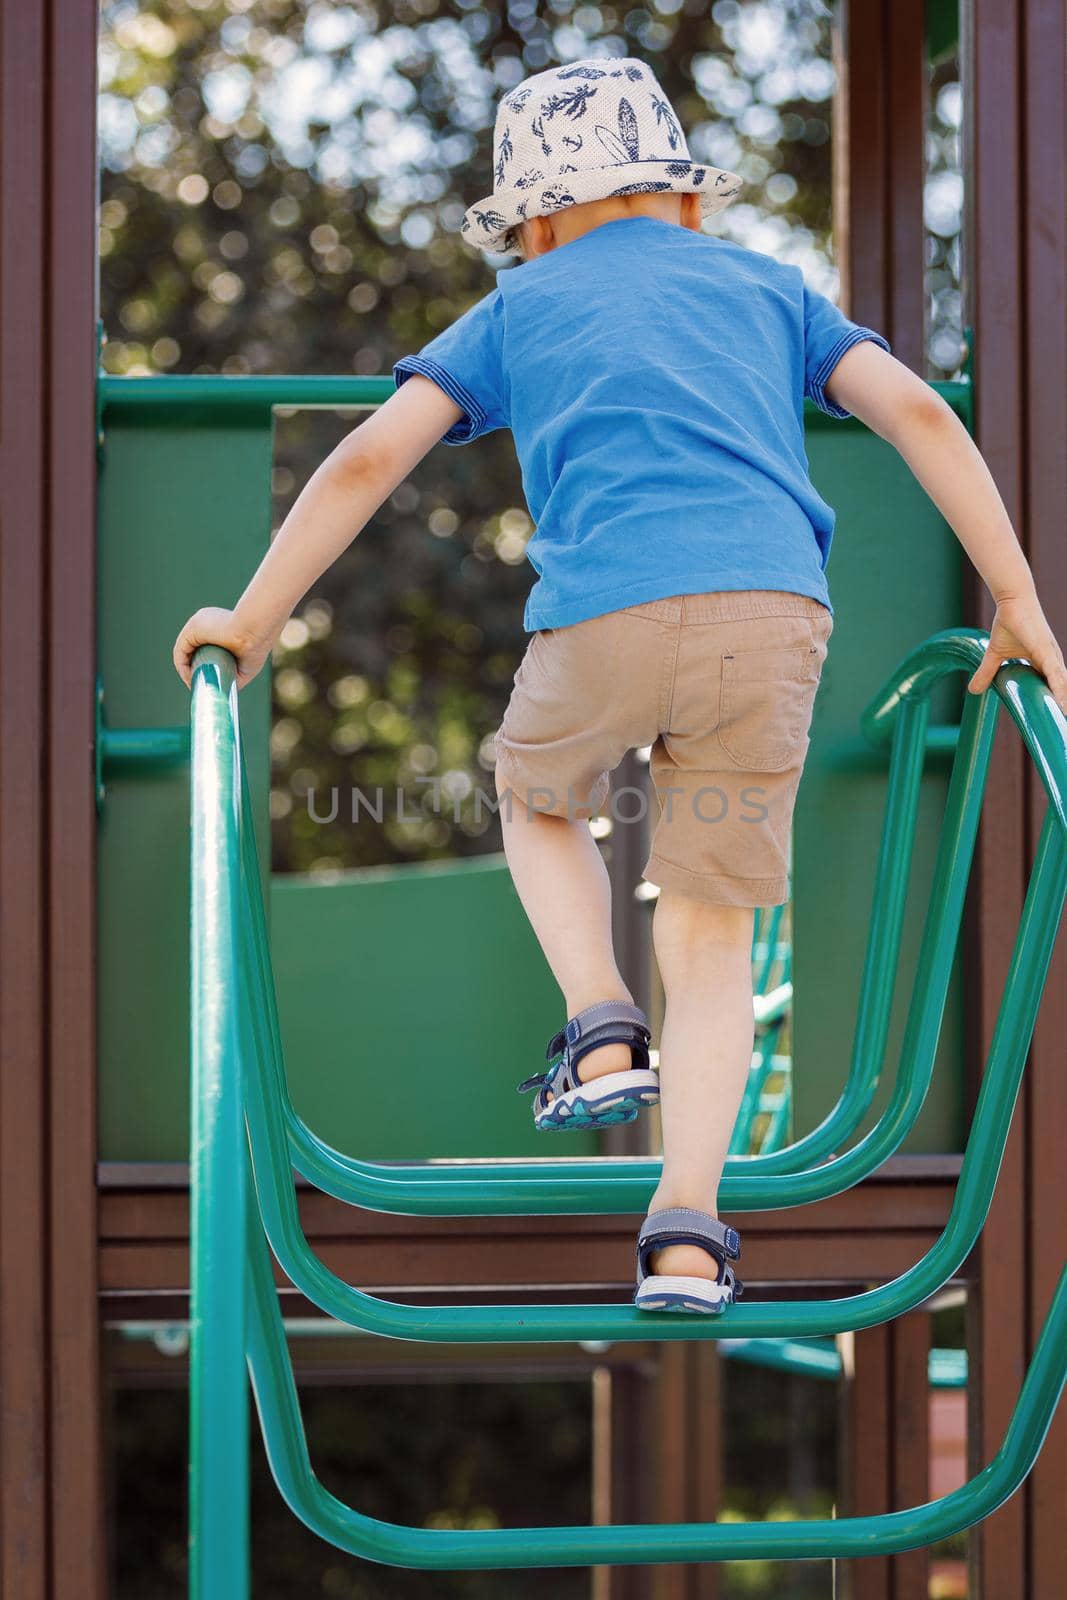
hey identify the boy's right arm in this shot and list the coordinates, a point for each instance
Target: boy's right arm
(905, 410)
(334, 505)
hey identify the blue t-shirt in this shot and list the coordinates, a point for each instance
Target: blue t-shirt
(653, 379)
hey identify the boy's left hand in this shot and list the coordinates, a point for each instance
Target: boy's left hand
(217, 625)
(1020, 629)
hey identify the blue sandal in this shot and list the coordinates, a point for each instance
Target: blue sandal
(614, 1097)
(666, 1292)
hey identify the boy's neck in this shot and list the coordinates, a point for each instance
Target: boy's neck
(541, 234)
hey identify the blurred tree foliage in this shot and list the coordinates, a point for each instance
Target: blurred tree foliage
(282, 187)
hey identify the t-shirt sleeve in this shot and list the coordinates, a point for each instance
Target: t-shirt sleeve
(828, 333)
(466, 361)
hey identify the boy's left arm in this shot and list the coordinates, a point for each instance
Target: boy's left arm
(910, 414)
(334, 505)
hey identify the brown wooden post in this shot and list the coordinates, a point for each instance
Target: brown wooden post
(689, 1459)
(994, 248)
(879, 157)
(51, 1515)
(885, 1449)
(864, 1473)
(909, 1439)
(23, 1239)
(1016, 243)
(1044, 312)
(879, 170)
(624, 1479)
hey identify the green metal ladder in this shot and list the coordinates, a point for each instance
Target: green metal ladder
(247, 1138)
(772, 992)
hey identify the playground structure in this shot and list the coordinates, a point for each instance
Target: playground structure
(239, 1082)
(95, 1109)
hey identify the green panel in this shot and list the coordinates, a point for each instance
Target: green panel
(411, 1002)
(894, 572)
(942, 28)
(184, 519)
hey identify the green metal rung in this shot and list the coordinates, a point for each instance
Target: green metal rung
(522, 1323)
(633, 1543)
(243, 1194)
(205, 399)
(624, 1185)
(820, 1358)
(144, 748)
(817, 1358)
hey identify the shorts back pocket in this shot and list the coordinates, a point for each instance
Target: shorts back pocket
(766, 703)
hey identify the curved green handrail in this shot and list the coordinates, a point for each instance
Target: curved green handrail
(1020, 1000)
(628, 1543)
(218, 1394)
(621, 1185)
(773, 1004)
(760, 1069)
(348, 1178)
(820, 1358)
(882, 958)
(246, 1191)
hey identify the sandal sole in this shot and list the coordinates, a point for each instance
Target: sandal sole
(679, 1303)
(614, 1097)
(582, 1114)
(682, 1294)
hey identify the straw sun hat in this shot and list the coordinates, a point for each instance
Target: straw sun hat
(582, 132)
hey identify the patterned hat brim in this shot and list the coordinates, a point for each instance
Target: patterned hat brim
(487, 223)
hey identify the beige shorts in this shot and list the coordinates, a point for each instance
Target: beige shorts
(721, 687)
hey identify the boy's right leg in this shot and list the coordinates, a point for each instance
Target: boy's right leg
(704, 953)
(562, 881)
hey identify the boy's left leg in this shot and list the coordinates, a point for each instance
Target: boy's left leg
(704, 954)
(560, 877)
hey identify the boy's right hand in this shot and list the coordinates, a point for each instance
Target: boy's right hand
(217, 625)
(1020, 628)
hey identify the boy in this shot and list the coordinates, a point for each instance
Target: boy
(653, 378)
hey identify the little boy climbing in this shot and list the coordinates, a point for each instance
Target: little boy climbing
(653, 378)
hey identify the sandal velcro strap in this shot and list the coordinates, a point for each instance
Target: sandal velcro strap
(686, 1225)
(590, 1021)
(607, 1022)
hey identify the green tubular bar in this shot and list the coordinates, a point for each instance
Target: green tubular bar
(624, 1184)
(618, 1186)
(633, 1543)
(218, 1393)
(758, 1073)
(820, 1358)
(778, 1122)
(190, 398)
(479, 1324)
(766, 935)
(814, 1358)
(770, 1016)
(878, 981)
(349, 1179)
(243, 1193)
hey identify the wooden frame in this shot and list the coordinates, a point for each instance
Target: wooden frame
(51, 1496)
(51, 1501)
(1014, 97)
(1015, 246)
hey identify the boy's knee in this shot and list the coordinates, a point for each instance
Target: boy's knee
(687, 920)
(512, 802)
